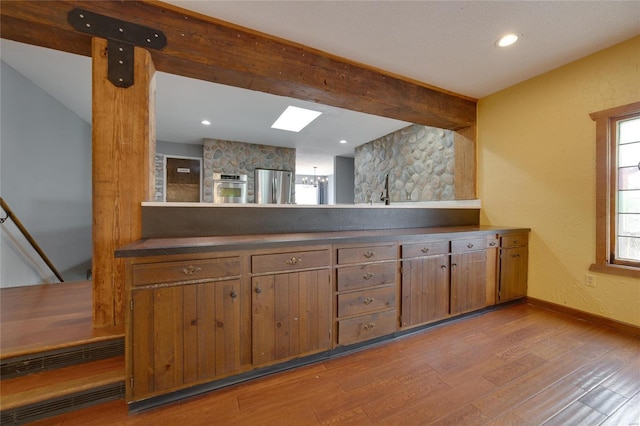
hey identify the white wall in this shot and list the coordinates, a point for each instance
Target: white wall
(45, 178)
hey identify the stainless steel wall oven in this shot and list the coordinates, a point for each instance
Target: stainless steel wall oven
(229, 188)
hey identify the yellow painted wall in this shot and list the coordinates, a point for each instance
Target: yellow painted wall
(536, 169)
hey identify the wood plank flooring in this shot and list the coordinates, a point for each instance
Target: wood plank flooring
(521, 365)
(48, 316)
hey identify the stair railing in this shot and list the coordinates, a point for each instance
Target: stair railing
(11, 215)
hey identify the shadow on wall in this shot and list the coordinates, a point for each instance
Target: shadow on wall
(28, 268)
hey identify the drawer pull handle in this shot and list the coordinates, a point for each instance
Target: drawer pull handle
(454, 264)
(369, 254)
(233, 293)
(469, 245)
(367, 276)
(258, 290)
(443, 266)
(368, 300)
(190, 270)
(492, 243)
(516, 255)
(369, 326)
(515, 241)
(425, 249)
(293, 261)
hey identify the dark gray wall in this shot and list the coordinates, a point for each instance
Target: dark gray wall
(343, 180)
(45, 178)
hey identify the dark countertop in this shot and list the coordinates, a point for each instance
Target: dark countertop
(170, 246)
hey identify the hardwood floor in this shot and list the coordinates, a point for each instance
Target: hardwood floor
(521, 365)
(48, 316)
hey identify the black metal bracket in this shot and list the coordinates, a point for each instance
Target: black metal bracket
(121, 37)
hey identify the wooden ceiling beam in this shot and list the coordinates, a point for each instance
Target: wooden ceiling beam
(208, 49)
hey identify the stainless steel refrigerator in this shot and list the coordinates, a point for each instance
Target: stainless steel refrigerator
(272, 186)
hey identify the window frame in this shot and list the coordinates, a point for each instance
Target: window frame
(606, 187)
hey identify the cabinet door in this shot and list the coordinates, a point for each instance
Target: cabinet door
(513, 273)
(184, 334)
(425, 290)
(291, 315)
(211, 324)
(468, 281)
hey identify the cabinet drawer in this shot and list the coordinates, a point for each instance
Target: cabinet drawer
(155, 273)
(471, 244)
(514, 240)
(367, 327)
(366, 254)
(362, 276)
(365, 301)
(290, 261)
(429, 248)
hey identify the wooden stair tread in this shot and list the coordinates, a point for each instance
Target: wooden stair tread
(60, 342)
(49, 317)
(21, 391)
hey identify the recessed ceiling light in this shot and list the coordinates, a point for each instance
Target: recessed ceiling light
(295, 119)
(343, 141)
(507, 40)
(205, 123)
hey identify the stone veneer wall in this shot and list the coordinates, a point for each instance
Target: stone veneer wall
(419, 160)
(243, 158)
(159, 180)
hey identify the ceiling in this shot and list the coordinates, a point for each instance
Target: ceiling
(447, 44)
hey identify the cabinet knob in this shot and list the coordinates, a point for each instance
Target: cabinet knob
(425, 249)
(368, 300)
(190, 270)
(233, 293)
(367, 276)
(258, 290)
(293, 261)
(369, 254)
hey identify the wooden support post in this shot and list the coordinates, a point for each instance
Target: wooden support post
(464, 143)
(123, 169)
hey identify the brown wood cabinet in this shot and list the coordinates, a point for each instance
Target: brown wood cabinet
(199, 317)
(185, 330)
(468, 275)
(291, 311)
(514, 259)
(425, 282)
(366, 292)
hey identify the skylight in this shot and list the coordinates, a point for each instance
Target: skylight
(294, 119)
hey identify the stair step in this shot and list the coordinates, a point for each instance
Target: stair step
(49, 317)
(51, 359)
(39, 395)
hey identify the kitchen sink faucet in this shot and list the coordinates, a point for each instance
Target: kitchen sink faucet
(384, 196)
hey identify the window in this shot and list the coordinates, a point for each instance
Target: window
(618, 190)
